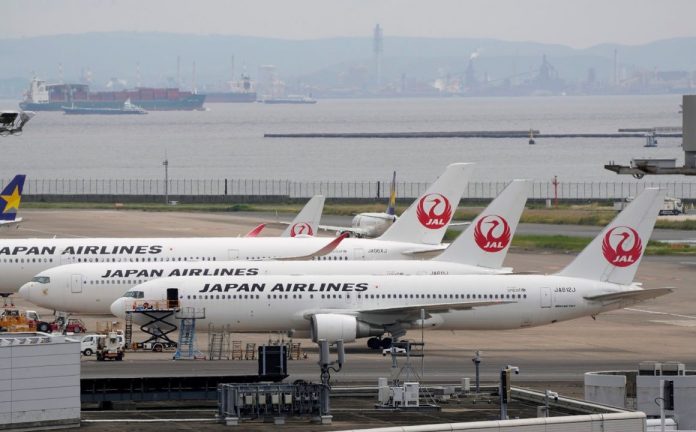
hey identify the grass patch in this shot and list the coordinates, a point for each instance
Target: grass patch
(561, 243)
(563, 215)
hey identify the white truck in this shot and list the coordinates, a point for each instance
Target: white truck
(107, 347)
(671, 206)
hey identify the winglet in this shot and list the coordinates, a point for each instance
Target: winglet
(426, 220)
(487, 240)
(307, 220)
(255, 232)
(330, 247)
(10, 199)
(614, 255)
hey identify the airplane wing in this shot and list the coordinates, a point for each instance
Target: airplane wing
(321, 252)
(434, 308)
(255, 232)
(355, 231)
(633, 295)
(10, 223)
(454, 224)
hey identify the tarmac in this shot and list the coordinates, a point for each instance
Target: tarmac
(554, 356)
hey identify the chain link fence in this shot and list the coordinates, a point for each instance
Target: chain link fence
(338, 189)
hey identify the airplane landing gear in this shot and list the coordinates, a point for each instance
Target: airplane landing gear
(376, 343)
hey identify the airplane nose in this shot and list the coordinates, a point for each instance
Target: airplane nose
(25, 291)
(118, 309)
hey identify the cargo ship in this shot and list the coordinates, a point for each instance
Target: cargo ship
(239, 92)
(53, 97)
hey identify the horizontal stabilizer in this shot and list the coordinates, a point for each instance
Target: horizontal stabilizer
(321, 252)
(255, 232)
(635, 295)
(434, 249)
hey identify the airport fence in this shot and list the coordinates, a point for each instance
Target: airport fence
(337, 189)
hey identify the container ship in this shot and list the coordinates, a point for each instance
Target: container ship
(53, 97)
(238, 92)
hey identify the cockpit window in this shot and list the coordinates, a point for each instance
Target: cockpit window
(134, 294)
(42, 279)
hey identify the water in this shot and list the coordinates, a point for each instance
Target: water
(227, 141)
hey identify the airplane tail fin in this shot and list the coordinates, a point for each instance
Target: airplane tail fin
(426, 220)
(11, 197)
(307, 220)
(487, 240)
(614, 255)
(391, 208)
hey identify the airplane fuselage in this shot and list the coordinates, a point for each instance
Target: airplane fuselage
(92, 287)
(21, 259)
(284, 303)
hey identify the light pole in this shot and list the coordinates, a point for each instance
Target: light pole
(166, 179)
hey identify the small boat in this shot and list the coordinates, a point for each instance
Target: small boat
(291, 99)
(127, 108)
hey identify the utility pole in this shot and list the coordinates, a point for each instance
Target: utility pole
(166, 178)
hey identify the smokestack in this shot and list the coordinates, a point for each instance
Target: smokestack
(689, 130)
(178, 71)
(377, 49)
(193, 78)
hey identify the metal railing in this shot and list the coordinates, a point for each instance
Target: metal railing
(338, 189)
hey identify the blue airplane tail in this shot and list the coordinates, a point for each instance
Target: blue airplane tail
(391, 208)
(11, 197)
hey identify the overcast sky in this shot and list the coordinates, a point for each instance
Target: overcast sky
(578, 23)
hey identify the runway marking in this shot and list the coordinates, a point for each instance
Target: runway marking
(51, 233)
(660, 313)
(678, 323)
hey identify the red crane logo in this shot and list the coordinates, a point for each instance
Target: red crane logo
(301, 228)
(622, 246)
(497, 233)
(434, 211)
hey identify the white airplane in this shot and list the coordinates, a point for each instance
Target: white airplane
(304, 224)
(420, 230)
(92, 287)
(10, 198)
(347, 307)
(371, 224)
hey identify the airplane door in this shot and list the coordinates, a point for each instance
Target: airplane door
(359, 254)
(546, 297)
(76, 284)
(233, 254)
(172, 298)
(67, 259)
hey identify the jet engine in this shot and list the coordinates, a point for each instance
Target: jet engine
(333, 327)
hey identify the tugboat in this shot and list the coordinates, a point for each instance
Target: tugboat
(126, 109)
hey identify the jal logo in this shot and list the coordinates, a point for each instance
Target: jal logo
(492, 233)
(434, 211)
(301, 229)
(622, 246)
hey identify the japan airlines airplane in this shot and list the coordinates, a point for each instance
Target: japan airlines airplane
(420, 230)
(10, 198)
(347, 307)
(306, 223)
(92, 287)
